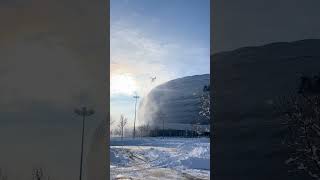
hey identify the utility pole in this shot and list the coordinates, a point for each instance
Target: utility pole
(83, 112)
(162, 117)
(163, 127)
(135, 115)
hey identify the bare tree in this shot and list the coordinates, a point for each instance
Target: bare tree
(205, 103)
(144, 130)
(147, 129)
(141, 130)
(301, 116)
(37, 173)
(196, 129)
(122, 124)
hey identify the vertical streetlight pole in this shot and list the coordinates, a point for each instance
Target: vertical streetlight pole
(135, 115)
(163, 127)
(162, 117)
(83, 112)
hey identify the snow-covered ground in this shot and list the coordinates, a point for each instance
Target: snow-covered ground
(157, 158)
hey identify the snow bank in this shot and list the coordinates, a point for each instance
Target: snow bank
(118, 158)
(191, 155)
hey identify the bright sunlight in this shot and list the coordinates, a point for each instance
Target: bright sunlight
(123, 84)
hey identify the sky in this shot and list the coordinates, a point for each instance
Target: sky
(165, 39)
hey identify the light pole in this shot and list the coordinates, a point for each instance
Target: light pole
(83, 112)
(162, 127)
(135, 115)
(162, 116)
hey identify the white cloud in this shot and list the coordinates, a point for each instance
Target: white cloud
(141, 57)
(137, 55)
(123, 84)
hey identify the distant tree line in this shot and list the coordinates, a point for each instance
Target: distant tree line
(146, 131)
(178, 133)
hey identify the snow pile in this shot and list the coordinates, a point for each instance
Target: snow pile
(197, 156)
(180, 156)
(120, 159)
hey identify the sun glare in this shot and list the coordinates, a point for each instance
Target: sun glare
(122, 84)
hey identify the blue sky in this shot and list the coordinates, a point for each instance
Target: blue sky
(163, 38)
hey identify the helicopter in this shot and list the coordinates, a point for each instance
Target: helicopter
(153, 78)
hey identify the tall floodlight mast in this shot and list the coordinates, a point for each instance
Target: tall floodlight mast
(83, 112)
(135, 115)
